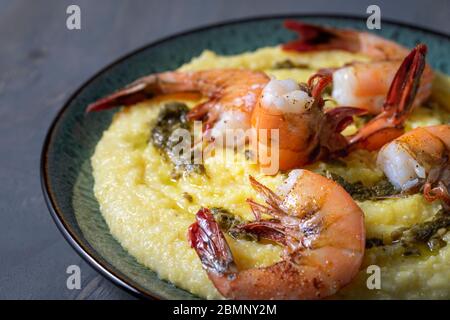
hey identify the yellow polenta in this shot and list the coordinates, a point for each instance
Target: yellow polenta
(149, 214)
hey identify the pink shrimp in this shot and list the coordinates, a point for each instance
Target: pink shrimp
(316, 221)
(231, 93)
(420, 158)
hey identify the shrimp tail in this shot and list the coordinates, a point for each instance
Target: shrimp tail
(317, 38)
(149, 87)
(341, 117)
(141, 89)
(388, 125)
(332, 142)
(210, 244)
(405, 84)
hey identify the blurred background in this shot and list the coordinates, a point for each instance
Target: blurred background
(42, 63)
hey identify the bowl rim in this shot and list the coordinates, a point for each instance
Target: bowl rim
(106, 269)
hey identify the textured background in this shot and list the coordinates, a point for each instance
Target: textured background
(42, 63)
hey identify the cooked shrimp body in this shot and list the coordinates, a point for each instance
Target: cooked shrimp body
(231, 95)
(419, 157)
(316, 221)
(288, 108)
(361, 84)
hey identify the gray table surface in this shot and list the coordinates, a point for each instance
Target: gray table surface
(42, 63)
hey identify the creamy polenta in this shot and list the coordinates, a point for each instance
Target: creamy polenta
(149, 212)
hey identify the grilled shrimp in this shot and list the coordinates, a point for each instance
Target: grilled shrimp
(243, 99)
(231, 93)
(316, 221)
(361, 84)
(419, 158)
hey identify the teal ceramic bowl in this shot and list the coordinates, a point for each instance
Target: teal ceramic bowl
(66, 172)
